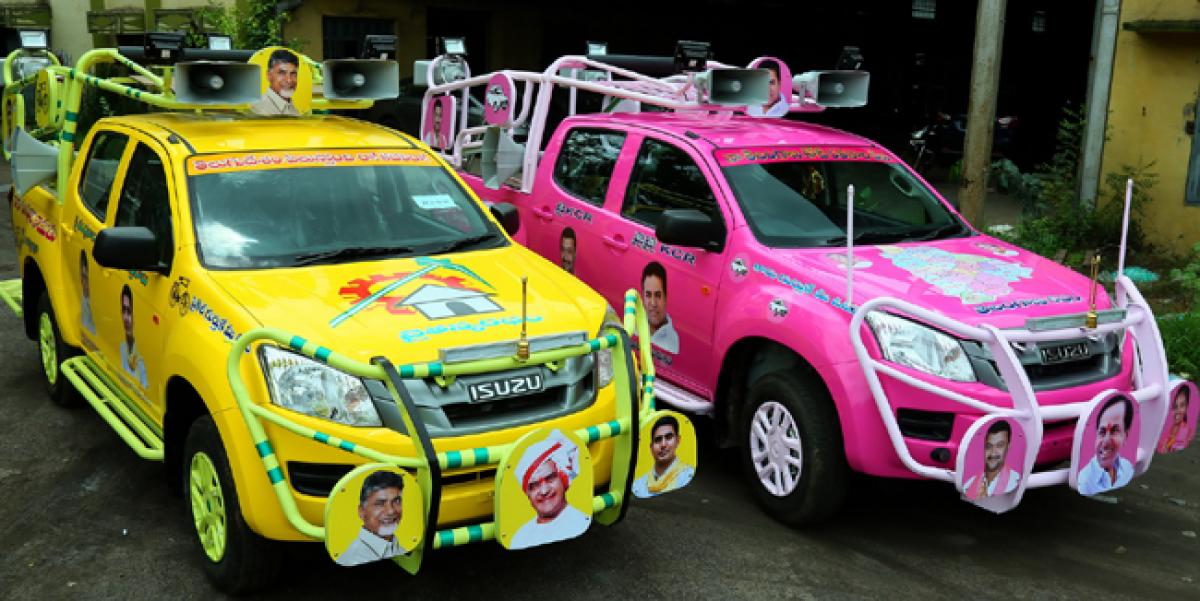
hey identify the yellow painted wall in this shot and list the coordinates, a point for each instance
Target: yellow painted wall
(1156, 78)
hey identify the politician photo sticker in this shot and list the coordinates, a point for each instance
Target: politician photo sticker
(543, 490)
(1183, 410)
(287, 85)
(1106, 443)
(666, 459)
(994, 459)
(375, 512)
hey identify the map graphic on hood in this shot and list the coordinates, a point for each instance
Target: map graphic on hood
(972, 278)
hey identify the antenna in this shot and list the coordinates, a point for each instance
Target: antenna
(850, 245)
(1124, 233)
(523, 343)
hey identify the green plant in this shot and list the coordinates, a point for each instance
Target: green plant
(1057, 218)
(1189, 277)
(252, 24)
(1181, 338)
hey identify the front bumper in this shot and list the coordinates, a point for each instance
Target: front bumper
(1050, 432)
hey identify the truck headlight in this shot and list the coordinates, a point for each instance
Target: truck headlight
(604, 358)
(312, 388)
(919, 347)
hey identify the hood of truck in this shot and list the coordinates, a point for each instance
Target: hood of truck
(408, 309)
(975, 280)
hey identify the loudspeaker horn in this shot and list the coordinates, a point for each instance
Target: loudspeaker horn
(361, 79)
(501, 157)
(834, 89)
(737, 87)
(217, 82)
(33, 161)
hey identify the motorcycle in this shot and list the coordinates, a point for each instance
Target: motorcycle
(934, 143)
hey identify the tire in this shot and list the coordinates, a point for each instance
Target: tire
(52, 351)
(789, 422)
(236, 559)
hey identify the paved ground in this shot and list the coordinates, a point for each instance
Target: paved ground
(82, 518)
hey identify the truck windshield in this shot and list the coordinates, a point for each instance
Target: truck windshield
(257, 211)
(791, 204)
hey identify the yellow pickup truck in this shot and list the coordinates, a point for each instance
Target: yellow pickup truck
(318, 328)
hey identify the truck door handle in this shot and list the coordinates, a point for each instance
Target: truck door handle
(617, 241)
(544, 212)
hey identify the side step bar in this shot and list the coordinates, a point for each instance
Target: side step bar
(113, 408)
(11, 294)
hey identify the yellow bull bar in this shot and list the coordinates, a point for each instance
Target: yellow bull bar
(633, 405)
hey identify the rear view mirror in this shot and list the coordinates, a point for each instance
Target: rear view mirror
(133, 248)
(690, 228)
(508, 217)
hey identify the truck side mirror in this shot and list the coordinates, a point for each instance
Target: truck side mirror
(508, 217)
(691, 228)
(127, 247)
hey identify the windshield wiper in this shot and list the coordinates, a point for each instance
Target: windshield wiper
(350, 252)
(869, 236)
(462, 243)
(938, 232)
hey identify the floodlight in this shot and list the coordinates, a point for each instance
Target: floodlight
(33, 39)
(691, 56)
(381, 46)
(850, 60)
(219, 42)
(163, 48)
(597, 48)
(453, 46)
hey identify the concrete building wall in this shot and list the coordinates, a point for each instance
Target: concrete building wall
(1156, 79)
(68, 27)
(513, 32)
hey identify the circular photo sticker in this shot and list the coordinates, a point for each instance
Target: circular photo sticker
(1106, 444)
(996, 249)
(543, 490)
(287, 84)
(499, 101)
(1183, 411)
(841, 261)
(738, 268)
(995, 459)
(438, 130)
(667, 458)
(375, 512)
(777, 310)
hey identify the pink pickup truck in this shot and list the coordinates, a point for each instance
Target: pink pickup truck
(809, 292)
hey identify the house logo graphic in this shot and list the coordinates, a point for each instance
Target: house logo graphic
(441, 302)
(438, 297)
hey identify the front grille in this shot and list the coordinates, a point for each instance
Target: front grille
(446, 409)
(465, 414)
(318, 479)
(1102, 363)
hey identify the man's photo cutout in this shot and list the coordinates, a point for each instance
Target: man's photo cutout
(374, 513)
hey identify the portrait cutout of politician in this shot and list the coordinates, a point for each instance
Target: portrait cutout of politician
(380, 507)
(85, 287)
(566, 250)
(546, 471)
(998, 477)
(131, 359)
(283, 69)
(1108, 469)
(668, 472)
(654, 298)
(1178, 429)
